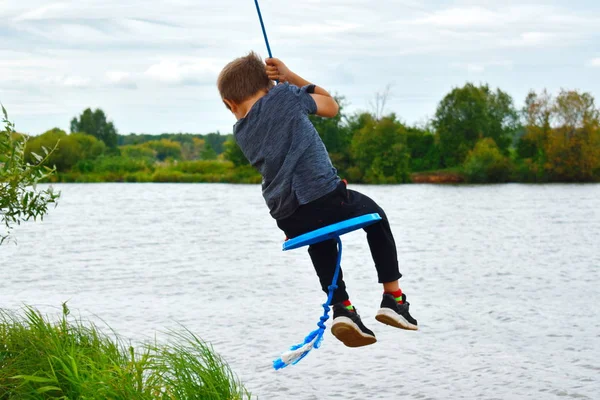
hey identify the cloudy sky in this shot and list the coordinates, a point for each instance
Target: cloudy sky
(152, 64)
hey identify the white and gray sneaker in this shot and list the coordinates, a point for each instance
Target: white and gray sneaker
(395, 314)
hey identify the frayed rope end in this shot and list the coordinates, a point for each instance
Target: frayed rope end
(299, 351)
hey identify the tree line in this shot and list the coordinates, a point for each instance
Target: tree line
(476, 135)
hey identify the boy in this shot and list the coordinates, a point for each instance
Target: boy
(301, 186)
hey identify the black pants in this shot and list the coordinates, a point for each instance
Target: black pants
(340, 205)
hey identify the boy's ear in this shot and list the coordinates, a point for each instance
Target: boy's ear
(230, 105)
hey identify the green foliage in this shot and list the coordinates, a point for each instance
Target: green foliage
(562, 138)
(526, 170)
(208, 153)
(234, 154)
(208, 171)
(424, 151)
(70, 149)
(138, 151)
(485, 163)
(472, 112)
(204, 167)
(20, 200)
(191, 150)
(119, 164)
(96, 124)
(558, 141)
(122, 169)
(336, 134)
(380, 152)
(165, 149)
(191, 144)
(528, 146)
(70, 359)
(216, 141)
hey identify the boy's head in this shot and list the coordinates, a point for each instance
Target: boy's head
(243, 78)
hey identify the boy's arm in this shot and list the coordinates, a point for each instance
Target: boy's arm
(326, 104)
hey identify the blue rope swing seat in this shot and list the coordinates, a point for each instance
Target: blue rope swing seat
(334, 231)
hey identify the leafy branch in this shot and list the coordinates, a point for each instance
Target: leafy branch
(20, 200)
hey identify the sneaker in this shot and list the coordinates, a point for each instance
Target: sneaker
(394, 314)
(349, 329)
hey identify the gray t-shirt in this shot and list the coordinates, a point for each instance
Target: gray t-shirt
(279, 140)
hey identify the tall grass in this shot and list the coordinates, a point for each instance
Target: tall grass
(70, 359)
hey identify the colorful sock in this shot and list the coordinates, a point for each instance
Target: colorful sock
(348, 305)
(397, 295)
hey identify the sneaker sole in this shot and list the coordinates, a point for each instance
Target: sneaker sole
(347, 332)
(391, 318)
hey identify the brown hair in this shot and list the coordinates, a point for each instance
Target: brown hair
(242, 78)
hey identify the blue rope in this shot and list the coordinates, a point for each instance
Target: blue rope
(262, 25)
(317, 334)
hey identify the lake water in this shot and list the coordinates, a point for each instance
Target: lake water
(504, 280)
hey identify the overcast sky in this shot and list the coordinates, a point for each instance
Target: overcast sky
(152, 64)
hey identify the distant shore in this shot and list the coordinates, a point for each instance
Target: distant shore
(244, 175)
(437, 177)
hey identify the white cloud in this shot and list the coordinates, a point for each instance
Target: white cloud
(75, 81)
(182, 72)
(533, 39)
(461, 18)
(475, 68)
(121, 79)
(481, 66)
(44, 12)
(174, 50)
(327, 27)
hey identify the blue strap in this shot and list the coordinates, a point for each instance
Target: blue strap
(262, 25)
(317, 334)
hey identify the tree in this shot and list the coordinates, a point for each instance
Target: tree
(379, 150)
(576, 112)
(208, 153)
(537, 115)
(573, 147)
(424, 151)
(95, 123)
(20, 200)
(165, 149)
(472, 112)
(562, 137)
(70, 149)
(378, 105)
(234, 154)
(215, 142)
(485, 163)
(138, 151)
(336, 136)
(191, 148)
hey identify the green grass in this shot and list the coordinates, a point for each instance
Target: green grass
(70, 359)
(185, 172)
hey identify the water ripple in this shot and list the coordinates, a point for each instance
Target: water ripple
(503, 279)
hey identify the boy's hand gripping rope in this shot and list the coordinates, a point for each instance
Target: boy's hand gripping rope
(314, 339)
